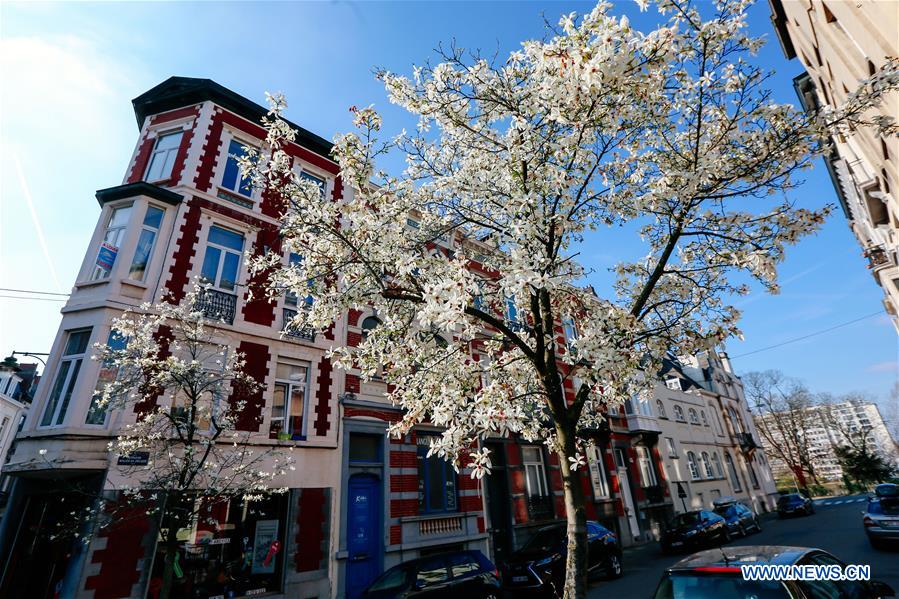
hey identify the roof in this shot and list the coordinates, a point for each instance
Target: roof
(735, 556)
(141, 188)
(176, 92)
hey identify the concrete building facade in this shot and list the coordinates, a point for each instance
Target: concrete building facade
(838, 44)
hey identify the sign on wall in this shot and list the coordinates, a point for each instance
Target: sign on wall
(265, 546)
(106, 256)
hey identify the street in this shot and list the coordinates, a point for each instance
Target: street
(835, 527)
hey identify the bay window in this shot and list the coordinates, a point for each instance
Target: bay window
(66, 376)
(96, 413)
(162, 160)
(436, 480)
(112, 241)
(232, 178)
(289, 403)
(145, 243)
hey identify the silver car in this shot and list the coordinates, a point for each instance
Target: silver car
(881, 519)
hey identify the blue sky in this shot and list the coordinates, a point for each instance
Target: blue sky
(67, 129)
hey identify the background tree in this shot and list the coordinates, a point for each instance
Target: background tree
(185, 388)
(470, 255)
(853, 442)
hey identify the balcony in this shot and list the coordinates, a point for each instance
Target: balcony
(655, 494)
(540, 507)
(746, 442)
(878, 258)
(217, 305)
(305, 333)
(423, 531)
(638, 423)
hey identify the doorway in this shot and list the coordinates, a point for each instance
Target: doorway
(363, 533)
(627, 498)
(499, 504)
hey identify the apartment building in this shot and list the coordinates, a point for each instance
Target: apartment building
(838, 44)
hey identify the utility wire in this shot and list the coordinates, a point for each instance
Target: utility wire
(36, 299)
(32, 291)
(816, 333)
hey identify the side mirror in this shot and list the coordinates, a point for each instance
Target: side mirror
(419, 584)
(882, 589)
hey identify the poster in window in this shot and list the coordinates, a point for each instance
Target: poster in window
(265, 547)
(106, 256)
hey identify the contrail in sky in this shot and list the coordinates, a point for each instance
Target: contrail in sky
(37, 222)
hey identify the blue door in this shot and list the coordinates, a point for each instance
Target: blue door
(363, 533)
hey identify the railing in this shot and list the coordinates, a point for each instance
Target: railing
(540, 506)
(291, 330)
(654, 494)
(746, 441)
(217, 305)
(440, 526)
(878, 257)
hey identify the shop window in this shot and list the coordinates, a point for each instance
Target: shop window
(230, 548)
(112, 241)
(289, 402)
(436, 481)
(96, 413)
(163, 158)
(145, 243)
(365, 448)
(66, 377)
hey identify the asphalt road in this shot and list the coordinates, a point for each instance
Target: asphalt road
(835, 527)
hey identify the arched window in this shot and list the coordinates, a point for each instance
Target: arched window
(694, 417)
(707, 465)
(718, 428)
(370, 323)
(679, 414)
(731, 469)
(691, 463)
(660, 408)
(705, 419)
(716, 462)
(735, 420)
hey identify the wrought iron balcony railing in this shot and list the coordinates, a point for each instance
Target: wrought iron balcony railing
(746, 441)
(217, 305)
(540, 506)
(291, 330)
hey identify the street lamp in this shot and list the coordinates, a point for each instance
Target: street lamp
(10, 361)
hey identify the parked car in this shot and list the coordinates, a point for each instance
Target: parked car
(740, 519)
(538, 568)
(881, 518)
(692, 530)
(716, 574)
(794, 504)
(468, 573)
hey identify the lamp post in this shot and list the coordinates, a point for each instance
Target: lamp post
(11, 359)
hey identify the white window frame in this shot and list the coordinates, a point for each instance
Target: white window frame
(290, 386)
(100, 274)
(693, 466)
(679, 414)
(226, 154)
(672, 448)
(160, 135)
(673, 384)
(716, 462)
(221, 264)
(155, 232)
(706, 464)
(598, 473)
(660, 408)
(69, 382)
(537, 466)
(647, 472)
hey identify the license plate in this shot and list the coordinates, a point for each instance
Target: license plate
(519, 579)
(891, 522)
(677, 543)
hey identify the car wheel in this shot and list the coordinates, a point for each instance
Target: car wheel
(613, 566)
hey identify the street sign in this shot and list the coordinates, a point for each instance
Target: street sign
(107, 255)
(135, 458)
(681, 492)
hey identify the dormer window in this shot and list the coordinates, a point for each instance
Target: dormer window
(673, 384)
(232, 178)
(162, 160)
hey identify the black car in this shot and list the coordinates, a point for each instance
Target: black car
(881, 518)
(692, 530)
(467, 573)
(794, 504)
(717, 574)
(740, 519)
(539, 566)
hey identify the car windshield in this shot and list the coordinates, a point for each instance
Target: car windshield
(728, 511)
(790, 499)
(691, 586)
(549, 539)
(688, 519)
(395, 578)
(886, 508)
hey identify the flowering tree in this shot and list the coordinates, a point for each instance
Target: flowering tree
(194, 452)
(469, 256)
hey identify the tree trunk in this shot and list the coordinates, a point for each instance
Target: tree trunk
(168, 571)
(575, 586)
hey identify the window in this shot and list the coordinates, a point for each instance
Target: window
(66, 377)
(512, 312)
(679, 414)
(694, 417)
(222, 260)
(597, 473)
(317, 180)
(706, 465)
(734, 479)
(691, 463)
(718, 428)
(112, 241)
(432, 571)
(145, 243)
(232, 179)
(705, 419)
(538, 496)
(290, 298)
(672, 449)
(289, 403)
(647, 472)
(163, 157)
(462, 565)
(736, 420)
(660, 408)
(570, 333)
(673, 384)
(365, 448)
(753, 479)
(96, 413)
(716, 461)
(436, 481)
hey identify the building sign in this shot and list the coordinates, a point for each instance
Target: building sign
(106, 256)
(135, 458)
